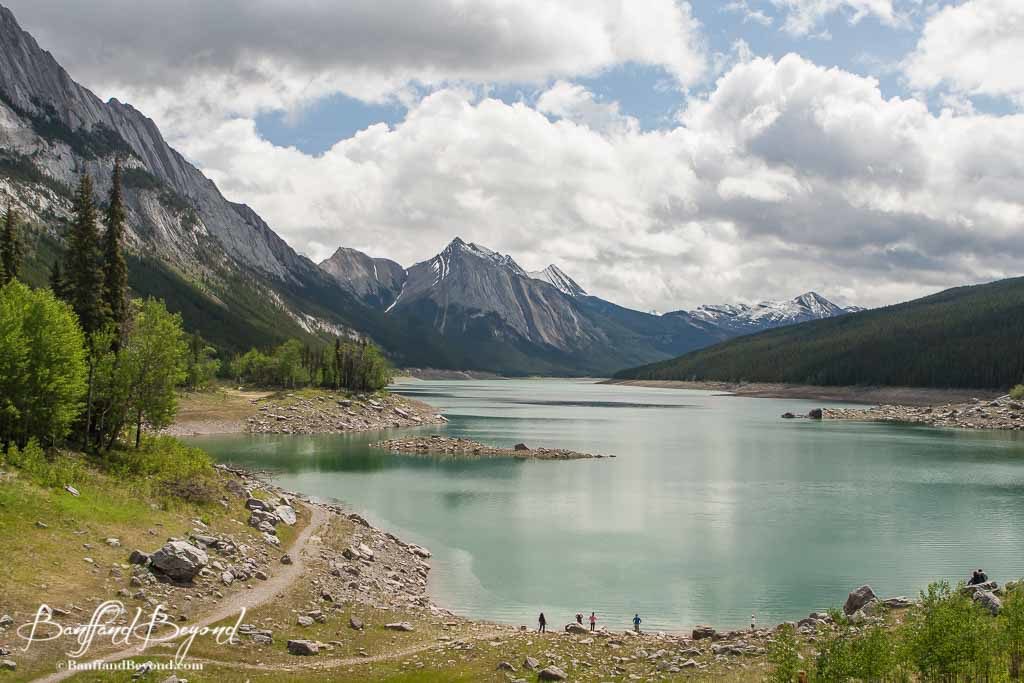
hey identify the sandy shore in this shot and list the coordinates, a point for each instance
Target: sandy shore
(906, 396)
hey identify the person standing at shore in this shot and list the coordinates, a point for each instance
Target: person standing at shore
(593, 621)
(753, 622)
(542, 624)
(636, 623)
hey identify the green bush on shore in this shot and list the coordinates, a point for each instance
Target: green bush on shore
(1017, 393)
(946, 637)
(163, 468)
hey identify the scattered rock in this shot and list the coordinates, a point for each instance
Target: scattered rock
(551, 673)
(257, 504)
(303, 620)
(703, 632)
(72, 490)
(858, 598)
(505, 666)
(399, 626)
(303, 648)
(179, 560)
(355, 623)
(531, 663)
(285, 513)
(286, 559)
(138, 557)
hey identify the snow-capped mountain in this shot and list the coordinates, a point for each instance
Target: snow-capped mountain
(494, 315)
(745, 318)
(553, 275)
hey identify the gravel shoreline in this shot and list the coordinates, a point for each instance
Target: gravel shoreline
(906, 396)
(1000, 413)
(299, 412)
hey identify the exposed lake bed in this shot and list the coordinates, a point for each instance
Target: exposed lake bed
(721, 509)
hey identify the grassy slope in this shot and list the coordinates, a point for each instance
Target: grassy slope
(962, 337)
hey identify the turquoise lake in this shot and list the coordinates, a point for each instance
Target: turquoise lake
(713, 509)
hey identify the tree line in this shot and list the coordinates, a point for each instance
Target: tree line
(353, 365)
(81, 362)
(965, 337)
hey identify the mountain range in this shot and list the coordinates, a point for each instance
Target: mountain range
(965, 337)
(544, 320)
(240, 285)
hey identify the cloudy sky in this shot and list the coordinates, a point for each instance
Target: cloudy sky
(664, 153)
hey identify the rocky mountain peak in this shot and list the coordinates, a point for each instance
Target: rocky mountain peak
(557, 278)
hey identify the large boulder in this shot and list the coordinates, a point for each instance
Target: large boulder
(179, 560)
(702, 632)
(989, 601)
(858, 598)
(551, 673)
(285, 513)
(257, 504)
(575, 628)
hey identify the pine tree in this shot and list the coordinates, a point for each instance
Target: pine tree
(83, 269)
(58, 283)
(10, 247)
(115, 270)
(84, 276)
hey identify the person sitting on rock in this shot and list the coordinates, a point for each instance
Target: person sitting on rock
(579, 618)
(978, 577)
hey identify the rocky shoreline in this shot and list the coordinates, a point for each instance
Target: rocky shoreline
(442, 445)
(304, 411)
(320, 413)
(999, 413)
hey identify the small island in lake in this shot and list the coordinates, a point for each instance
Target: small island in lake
(443, 445)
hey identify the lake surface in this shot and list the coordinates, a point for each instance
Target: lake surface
(714, 508)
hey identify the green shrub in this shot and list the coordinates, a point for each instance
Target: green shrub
(1012, 626)
(869, 655)
(160, 457)
(784, 656)
(949, 637)
(50, 472)
(1017, 393)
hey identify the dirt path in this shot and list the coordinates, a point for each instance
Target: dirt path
(315, 663)
(265, 592)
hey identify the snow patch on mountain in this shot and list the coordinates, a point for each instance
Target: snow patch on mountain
(555, 276)
(767, 314)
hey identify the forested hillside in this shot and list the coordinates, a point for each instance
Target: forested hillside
(963, 337)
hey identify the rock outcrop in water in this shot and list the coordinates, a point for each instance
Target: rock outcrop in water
(1000, 413)
(442, 445)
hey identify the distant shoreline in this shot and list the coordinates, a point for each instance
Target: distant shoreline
(907, 396)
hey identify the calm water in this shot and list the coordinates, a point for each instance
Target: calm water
(714, 508)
